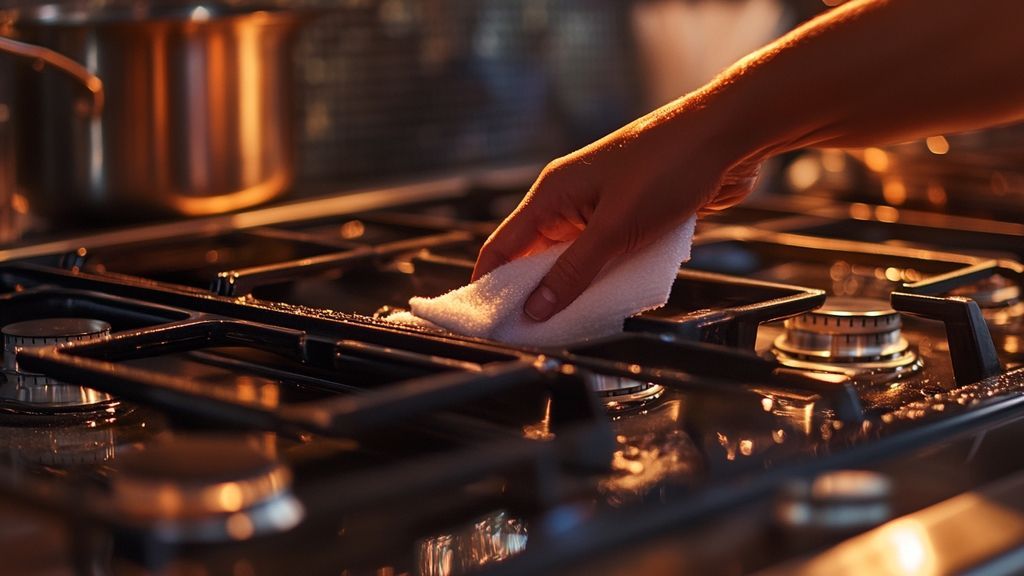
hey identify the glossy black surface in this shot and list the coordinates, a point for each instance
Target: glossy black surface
(432, 453)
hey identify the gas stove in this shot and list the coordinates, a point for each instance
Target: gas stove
(221, 395)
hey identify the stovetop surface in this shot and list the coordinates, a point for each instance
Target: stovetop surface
(347, 444)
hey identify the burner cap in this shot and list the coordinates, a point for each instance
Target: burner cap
(39, 391)
(205, 488)
(50, 330)
(859, 337)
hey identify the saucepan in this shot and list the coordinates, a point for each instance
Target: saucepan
(121, 112)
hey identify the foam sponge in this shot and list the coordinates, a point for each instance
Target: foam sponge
(492, 307)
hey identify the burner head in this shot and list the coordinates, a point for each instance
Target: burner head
(619, 393)
(48, 332)
(36, 390)
(206, 488)
(858, 337)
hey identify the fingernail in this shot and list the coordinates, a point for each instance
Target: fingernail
(541, 304)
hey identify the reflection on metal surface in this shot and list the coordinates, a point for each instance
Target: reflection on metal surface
(652, 450)
(267, 189)
(73, 444)
(835, 502)
(354, 201)
(621, 393)
(795, 409)
(205, 488)
(540, 430)
(44, 56)
(495, 537)
(999, 298)
(976, 532)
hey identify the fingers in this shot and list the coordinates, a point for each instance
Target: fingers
(728, 196)
(549, 214)
(572, 273)
(515, 237)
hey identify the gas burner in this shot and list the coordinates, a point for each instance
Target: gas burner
(31, 392)
(857, 337)
(621, 393)
(205, 489)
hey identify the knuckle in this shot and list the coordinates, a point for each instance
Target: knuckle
(553, 167)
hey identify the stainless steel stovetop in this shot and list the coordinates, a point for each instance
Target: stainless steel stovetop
(218, 396)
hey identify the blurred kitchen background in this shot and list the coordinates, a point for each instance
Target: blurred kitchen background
(392, 89)
(389, 87)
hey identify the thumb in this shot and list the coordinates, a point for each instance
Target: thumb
(574, 270)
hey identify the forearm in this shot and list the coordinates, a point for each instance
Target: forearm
(877, 71)
(872, 72)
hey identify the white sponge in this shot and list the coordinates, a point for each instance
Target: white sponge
(492, 307)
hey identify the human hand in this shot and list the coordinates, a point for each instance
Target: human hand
(830, 82)
(618, 195)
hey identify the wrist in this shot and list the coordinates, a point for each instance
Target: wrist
(738, 126)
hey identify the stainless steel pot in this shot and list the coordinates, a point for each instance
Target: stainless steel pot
(123, 113)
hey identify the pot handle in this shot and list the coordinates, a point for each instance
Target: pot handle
(44, 56)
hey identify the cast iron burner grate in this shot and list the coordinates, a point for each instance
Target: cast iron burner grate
(383, 434)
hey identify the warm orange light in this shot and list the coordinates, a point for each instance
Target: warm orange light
(894, 191)
(860, 211)
(250, 94)
(937, 145)
(937, 194)
(229, 497)
(1012, 344)
(804, 173)
(239, 526)
(887, 214)
(876, 159)
(746, 447)
(833, 160)
(206, 205)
